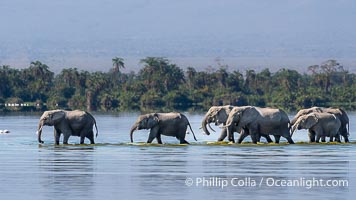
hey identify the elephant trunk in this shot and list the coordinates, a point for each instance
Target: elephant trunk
(294, 127)
(134, 127)
(204, 124)
(230, 132)
(229, 122)
(294, 120)
(39, 132)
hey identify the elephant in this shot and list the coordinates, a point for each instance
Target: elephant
(76, 123)
(219, 115)
(338, 112)
(320, 125)
(259, 121)
(169, 124)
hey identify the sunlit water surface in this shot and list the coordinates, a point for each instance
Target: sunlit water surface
(115, 169)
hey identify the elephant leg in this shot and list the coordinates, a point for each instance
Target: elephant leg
(311, 139)
(242, 136)
(331, 139)
(232, 138)
(277, 138)
(290, 140)
(311, 136)
(159, 140)
(57, 136)
(317, 138)
(323, 139)
(346, 138)
(254, 137)
(82, 138)
(182, 140)
(230, 134)
(150, 139)
(153, 134)
(90, 136)
(66, 138)
(258, 137)
(268, 138)
(223, 134)
(337, 138)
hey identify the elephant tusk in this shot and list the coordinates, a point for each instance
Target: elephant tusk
(293, 130)
(39, 130)
(211, 127)
(224, 126)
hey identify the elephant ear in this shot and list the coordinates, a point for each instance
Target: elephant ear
(248, 115)
(215, 112)
(57, 116)
(311, 121)
(152, 120)
(155, 117)
(220, 116)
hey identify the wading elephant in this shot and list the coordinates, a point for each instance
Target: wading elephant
(259, 121)
(76, 123)
(169, 124)
(319, 125)
(338, 112)
(219, 115)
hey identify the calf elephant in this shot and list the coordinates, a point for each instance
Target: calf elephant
(76, 123)
(259, 121)
(338, 112)
(219, 115)
(319, 125)
(169, 124)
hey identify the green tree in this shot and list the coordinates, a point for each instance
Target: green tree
(118, 63)
(38, 81)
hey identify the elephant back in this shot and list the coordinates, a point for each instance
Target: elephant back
(274, 114)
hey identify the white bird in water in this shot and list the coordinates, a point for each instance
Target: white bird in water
(4, 131)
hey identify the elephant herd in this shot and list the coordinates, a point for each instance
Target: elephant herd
(263, 122)
(250, 121)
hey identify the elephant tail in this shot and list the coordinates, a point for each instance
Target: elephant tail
(192, 131)
(96, 128)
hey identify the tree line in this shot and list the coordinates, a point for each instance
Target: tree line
(161, 83)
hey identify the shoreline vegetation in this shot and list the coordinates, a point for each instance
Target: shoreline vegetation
(164, 86)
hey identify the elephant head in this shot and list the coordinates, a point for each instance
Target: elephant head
(305, 122)
(216, 114)
(304, 112)
(345, 123)
(49, 118)
(144, 122)
(236, 115)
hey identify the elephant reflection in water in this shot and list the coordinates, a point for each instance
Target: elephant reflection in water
(69, 170)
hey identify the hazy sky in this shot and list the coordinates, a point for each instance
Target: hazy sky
(59, 31)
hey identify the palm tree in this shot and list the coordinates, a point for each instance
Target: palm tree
(118, 63)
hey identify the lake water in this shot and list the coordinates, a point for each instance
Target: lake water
(114, 169)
